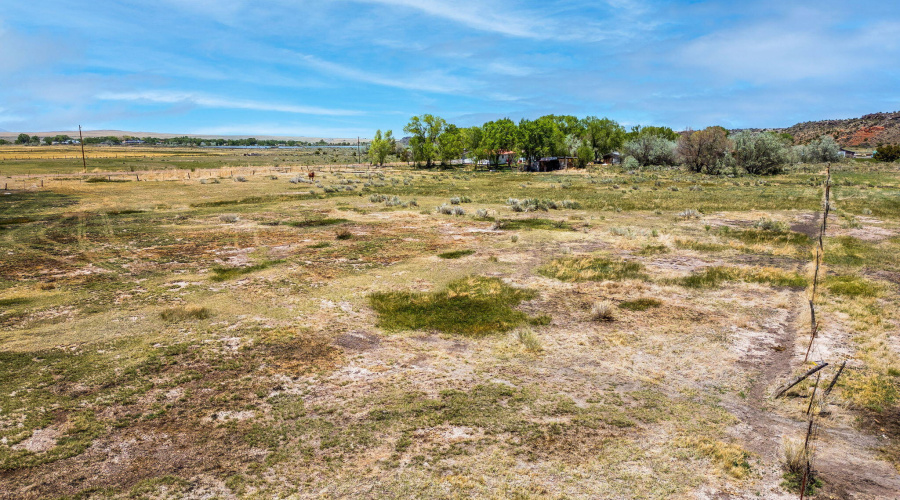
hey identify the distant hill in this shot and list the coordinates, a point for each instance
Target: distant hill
(866, 131)
(4, 134)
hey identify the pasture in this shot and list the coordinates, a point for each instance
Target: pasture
(226, 327)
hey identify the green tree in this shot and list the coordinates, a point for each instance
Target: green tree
(425, 131)
(603, 135)
(539, 138)
(381, 147)
(499, 135)
(23, 139)
(661, 132)
(451, 144)
(48, 140)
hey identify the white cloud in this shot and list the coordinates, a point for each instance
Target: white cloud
(170, 97)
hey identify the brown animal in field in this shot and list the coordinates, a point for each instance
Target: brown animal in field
(312, 175)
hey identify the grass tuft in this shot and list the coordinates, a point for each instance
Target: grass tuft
(184, 313)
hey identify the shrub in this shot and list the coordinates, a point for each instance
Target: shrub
(602, 311)
(887, 153)
(760, 153)
(240, 178)
(649, 149)
(774, 226)
(821, 150)
(529, 340)
(229, 218)
(344, 234)
(704, 150)
(690, 213)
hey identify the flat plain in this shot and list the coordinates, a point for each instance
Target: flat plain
(187, 325)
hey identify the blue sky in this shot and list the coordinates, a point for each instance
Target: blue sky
(344, 68)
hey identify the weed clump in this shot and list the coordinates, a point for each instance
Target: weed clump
(794, 468)
(474, 306)
(529, 340)
(690, 214)
(653, 250)
(603, 311)
(592, 269)
(344, 234)
(184, 313)
(228, 218)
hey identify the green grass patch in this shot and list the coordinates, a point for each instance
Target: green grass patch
(536, 223)
(456, 254)
(226, 273)
(321, 244)
(316, 222)
(184, 313)
(473, 306)
(765, 237)
(641, 304)
(653, 250)
(700, 246)
(852, 286)
(713, 277)
(592, 269)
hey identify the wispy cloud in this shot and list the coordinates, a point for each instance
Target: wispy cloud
(174, 97)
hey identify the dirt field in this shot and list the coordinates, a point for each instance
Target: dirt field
(598, 334)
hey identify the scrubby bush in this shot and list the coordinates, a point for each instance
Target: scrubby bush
(240, 178)
(704, 150)
(821, 150)
(760, 153)
(887, 153)
(650, 150)
(228, 218)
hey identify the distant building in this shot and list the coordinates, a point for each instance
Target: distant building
(132, 142)
(507, 157)
(846, 153)
(551, 163)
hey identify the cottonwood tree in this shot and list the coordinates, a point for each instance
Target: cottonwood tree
(425, 131)
(704, 150)
(450, 144)
(603, 135)
(381, 147)
(499, 135)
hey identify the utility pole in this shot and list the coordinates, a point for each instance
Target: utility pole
(358, 158)
(81, 140)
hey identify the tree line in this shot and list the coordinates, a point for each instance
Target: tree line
(713, 150)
